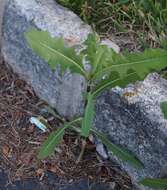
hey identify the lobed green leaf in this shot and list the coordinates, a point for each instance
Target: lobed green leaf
(97, 55)
(142, 63)
(115, 81)
(54, 51)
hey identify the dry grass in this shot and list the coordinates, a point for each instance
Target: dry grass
(144, 21)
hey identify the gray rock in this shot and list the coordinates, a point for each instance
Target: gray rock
(62, 92)
(132, 118)
(111, 44)
(65, 93)
(2, 2)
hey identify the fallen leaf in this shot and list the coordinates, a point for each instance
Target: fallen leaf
(31, 129)
(6, 150)
(39, 172)
(26, 158)
(55, 169)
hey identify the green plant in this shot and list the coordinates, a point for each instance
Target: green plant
(163, 106)
(108, 69)
(155, 183)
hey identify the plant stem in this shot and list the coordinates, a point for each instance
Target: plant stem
(82, 151)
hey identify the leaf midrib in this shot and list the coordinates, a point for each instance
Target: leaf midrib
(70, 60)
(120, 150)
(104, 86)
(127, 64)
(57, 52)
(57, 134)
(110, 83)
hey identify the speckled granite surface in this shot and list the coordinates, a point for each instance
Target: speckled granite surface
(2, 3)
(132, 118)
(63, 92)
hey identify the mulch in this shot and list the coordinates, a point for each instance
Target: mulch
(20, 140)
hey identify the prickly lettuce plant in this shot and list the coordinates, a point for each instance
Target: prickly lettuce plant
(108, 69)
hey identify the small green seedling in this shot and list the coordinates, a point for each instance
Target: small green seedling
(108, 69)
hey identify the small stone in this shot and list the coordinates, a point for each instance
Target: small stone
(101, 150)
(40, 172)
(6, 150)
(111, 45)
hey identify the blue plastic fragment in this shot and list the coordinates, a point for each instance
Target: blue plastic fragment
(38, 123)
